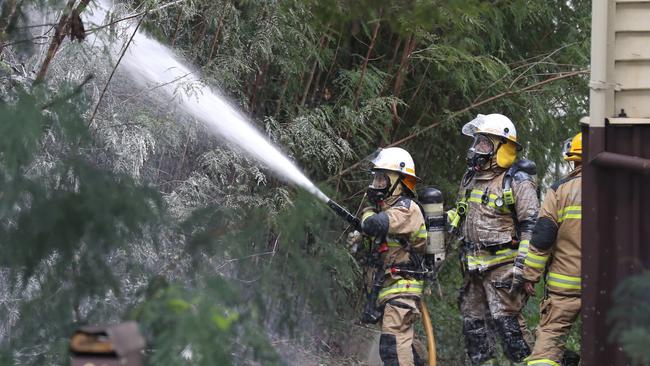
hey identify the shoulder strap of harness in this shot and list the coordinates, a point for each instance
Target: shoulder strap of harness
(524, 166)
(414, 258)
(566, 179)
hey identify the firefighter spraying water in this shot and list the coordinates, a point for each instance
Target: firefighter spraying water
(401, 242)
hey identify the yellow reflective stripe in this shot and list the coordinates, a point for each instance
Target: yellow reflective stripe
(563, 281)
(541, 258)
(366, 214)
(505, 255)
(535, 261)
(569, 208)
(529, 263)
(403, 286)
(476, 196)
(523, 247)
(543, 362)
(562, 285)
(477, 192)
(565, 277)
(420, 234)
(393, 244)
(569, 212)
(570, 216)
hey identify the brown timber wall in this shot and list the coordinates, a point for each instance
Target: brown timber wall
(615, 230)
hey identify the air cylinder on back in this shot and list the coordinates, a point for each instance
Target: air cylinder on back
(432, 202)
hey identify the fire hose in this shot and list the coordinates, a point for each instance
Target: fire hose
(428, 330)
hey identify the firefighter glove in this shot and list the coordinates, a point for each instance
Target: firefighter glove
(354, 240)
(517, 278)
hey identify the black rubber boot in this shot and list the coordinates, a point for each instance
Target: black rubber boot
(477, 341)
(388, 350)
(570, 358)
(514, 344)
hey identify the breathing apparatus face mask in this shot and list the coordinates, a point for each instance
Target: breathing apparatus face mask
(380, 186)
(480, 152)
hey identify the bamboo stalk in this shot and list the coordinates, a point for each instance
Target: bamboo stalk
(316, 87)
(8, 11)
(215, 41)
(201, 34)
(278, 107)
(333, 63)
(259, 80)
(177, 27)
(365, 63)
(321, 44)
(393, 59)
(409, 46)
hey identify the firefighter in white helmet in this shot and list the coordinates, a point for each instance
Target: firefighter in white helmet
(494, 219)
(396, 223)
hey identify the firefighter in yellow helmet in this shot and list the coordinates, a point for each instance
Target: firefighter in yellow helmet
(555, 250)
(494, 219)
(396, 224)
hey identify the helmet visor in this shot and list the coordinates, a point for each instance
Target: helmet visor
(483, 145)
(470, 128)
(374, 157)
(380, 180)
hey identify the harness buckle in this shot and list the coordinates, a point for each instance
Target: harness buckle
(485, 199)
(508, 196)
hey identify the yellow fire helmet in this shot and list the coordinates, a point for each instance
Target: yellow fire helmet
(573, 151)
(397, 160)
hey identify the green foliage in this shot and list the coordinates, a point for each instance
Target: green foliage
(59, 223)
(630, 318)
(142, 217)
(200, 325)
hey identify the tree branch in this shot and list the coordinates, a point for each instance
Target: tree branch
(75, 91)
(126, 47)
(474, 105)
(59, 35)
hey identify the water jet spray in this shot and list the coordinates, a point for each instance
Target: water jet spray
(150, 63)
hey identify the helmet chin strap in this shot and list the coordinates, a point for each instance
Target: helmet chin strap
(392, 189)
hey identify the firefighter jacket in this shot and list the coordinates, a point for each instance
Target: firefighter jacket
(492, 235)
(402, 224)
(556, 238)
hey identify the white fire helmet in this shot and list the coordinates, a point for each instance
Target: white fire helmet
(394, 159)
(398, 160)
(492, 124)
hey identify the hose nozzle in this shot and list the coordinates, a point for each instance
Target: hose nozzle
(345, 214)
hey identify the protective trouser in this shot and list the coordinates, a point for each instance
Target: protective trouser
(488, 306)
(396, 341)
(558, 313)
